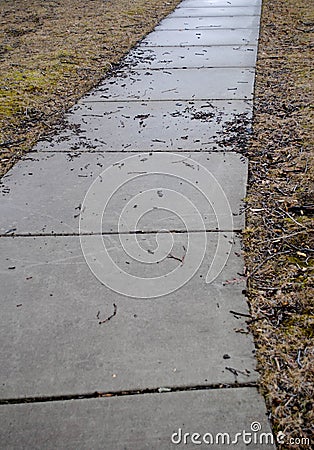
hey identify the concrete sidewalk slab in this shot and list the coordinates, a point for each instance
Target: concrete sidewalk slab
(135, 422)
(191, 57)
(36, 202)
(216, 12)
(175, 84)
(54, 344)
(191, 38)
(111, 126)
(131, 310)
(217, 3)
(199, 23)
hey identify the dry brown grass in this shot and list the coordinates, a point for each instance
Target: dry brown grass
(53, 51)
(279, 233)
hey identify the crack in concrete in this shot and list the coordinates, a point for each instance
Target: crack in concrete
(114, 233)
(104, 394)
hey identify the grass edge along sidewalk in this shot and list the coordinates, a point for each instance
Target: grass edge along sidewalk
(279, 233)
(52, 53)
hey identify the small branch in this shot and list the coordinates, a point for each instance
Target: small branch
(176, 258)
(240, 314)
(236, 371)
(299, 359)
(110, 317)
(265, 260)
(285, 236)
(295, 221)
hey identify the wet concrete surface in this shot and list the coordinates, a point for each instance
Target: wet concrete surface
(97, 306)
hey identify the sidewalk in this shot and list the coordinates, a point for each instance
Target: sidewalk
(111, 340)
